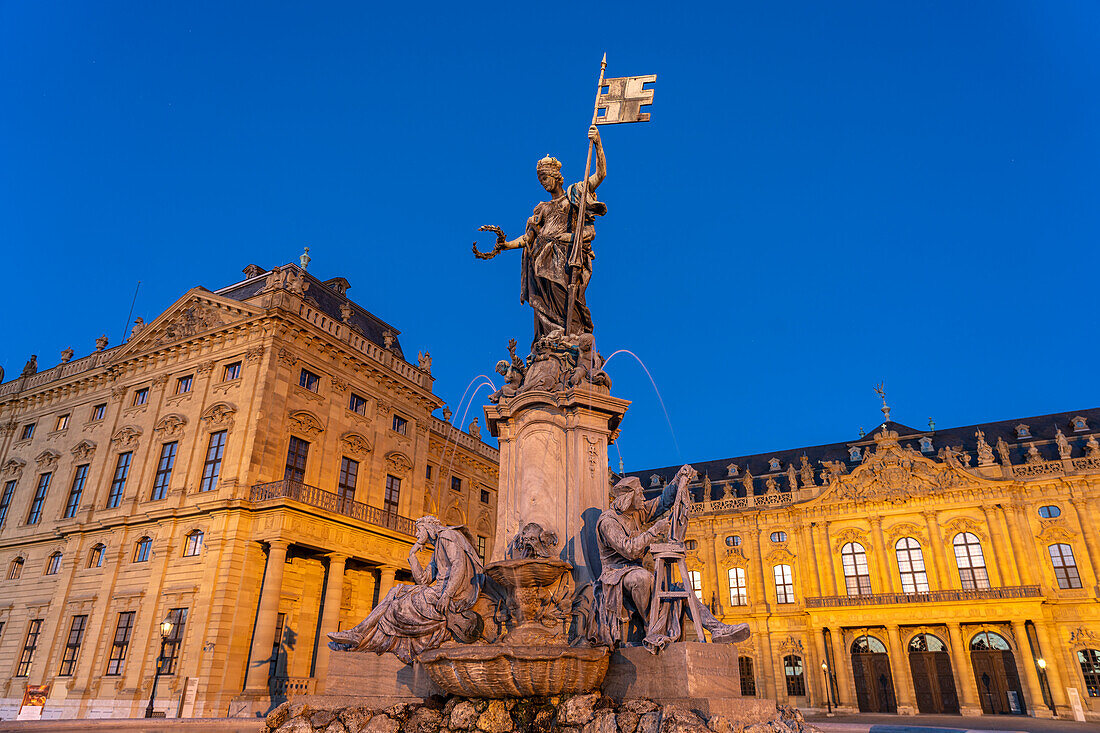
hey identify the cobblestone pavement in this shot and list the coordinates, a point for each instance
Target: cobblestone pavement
(871, 723)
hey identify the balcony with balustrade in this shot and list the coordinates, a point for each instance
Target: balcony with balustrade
(935, 596)
(296, 491)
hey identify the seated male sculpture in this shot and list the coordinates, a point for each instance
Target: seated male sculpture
(625, 582)
(415, 618)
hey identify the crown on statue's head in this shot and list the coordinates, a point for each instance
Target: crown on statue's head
(552, 165)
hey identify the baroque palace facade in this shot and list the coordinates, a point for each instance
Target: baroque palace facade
(248, 466)
(911, 571)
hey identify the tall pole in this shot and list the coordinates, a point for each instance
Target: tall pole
(578, 228)
(156, 676)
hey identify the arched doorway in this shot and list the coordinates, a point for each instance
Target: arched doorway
(996, 675)
(933, 682)
(871, 673)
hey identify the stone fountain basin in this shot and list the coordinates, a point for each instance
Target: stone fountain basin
(528, 572)
(503, 670)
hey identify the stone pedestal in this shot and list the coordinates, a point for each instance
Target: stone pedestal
(378, 681)
(700, 677)
(553, 468)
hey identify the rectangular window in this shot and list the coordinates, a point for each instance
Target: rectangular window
(164, 470)
(25, 659)
(357, 404)
(696, 583)
(28, 432)
(748, 680)
(456, 483)
(53, 565)
(1065, 566)
(231, 371)
(484, 496)
(72, 645)
(481, 547)
(739, 592)
(99, 412)
(76, 491)
(142, 549)
(183, 385)
(784, 584)
(792, 670)
(5, 500)
(393, 494)
(349, 473)
(277, 639)
(296, 454)
(178, 617)
(121, 643)
(118, 481)
(39, 498)
(428, 472)
(309, 380)
(212, 466)
(62, 422)
(192, 543)
(400, 425)
(141, 396)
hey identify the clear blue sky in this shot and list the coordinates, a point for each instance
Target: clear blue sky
(829, 194)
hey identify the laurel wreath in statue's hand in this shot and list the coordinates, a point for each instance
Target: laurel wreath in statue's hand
(501, 239)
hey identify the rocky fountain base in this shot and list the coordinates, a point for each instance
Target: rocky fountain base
(590, 713)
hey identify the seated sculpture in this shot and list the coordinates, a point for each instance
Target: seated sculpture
(414, 618)
(626, 585)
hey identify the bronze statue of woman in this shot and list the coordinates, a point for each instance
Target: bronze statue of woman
(547, 243)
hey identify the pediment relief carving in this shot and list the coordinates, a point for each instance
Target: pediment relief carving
(83, 450)
(13, 467)
(963, 524)
(305, 422)
(779, 555)
(170, 426)
(791, 645)
(355, 444)
(851, 534)
(1056, 533)
(197, 312)
(1082, 638)
(219, 416)
(398, 463)
(47, 459)
(906, 529)
(126, 437)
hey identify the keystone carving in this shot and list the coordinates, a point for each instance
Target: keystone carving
(126, 437)
(170, 426)
(83, 450)
(219, 416)
(47, 459)
(305, 423)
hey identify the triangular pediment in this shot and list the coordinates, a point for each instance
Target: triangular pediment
(196, 314)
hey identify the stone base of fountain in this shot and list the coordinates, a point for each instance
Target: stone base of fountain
(508, 670)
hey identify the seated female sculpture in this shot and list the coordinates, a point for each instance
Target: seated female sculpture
(415, 618)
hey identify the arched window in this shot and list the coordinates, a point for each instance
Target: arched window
(1089, 660)
(733, 540)
(857, 580)
(984, 640)
(970, 560)
(926, 643)
(792, 670)
(748, 679)
(697, 583)
(95, 557)
(914, 578)
(784, 584)
(53, 565)
(739, 592)
(1065, 567)
(868, 645)
(15, 570)
(192, 544)
(142, 548)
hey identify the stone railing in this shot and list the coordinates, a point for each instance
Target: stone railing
(759, 501)
(61, 371)
(311, 495)
(292, 686)
(935, 596)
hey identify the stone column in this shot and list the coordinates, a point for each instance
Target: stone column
(935, 539)
(1010, 575)
(811, 530)
(963, 669)
(830, 562)
(1025, 661)
(267, 613)
(1024, 569)
(903, 675)
(1032, 562)
(888, 583)
(1080, 510)
(385, 581)
(330, 614)
(1056, 673)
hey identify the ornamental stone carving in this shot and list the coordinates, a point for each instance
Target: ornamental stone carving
(190, 321)
(1055, 533)
(1082, 638)
(287, 358)
(398, 463)
(170, 426)
(338, 385)
(779, 555)
(126, 437)
(13, 467)
(851, 534)
(905, 529)
(355, 444)
(963, 524)
(791, 645)
(985, 451)
(117, 393)
(305, 423)
(219, 416)
(47, 459)
(83, 450)
(253, 354)
(205, 368)
(893, 474)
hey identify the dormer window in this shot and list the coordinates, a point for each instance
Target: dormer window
(855, 453)
(926, 445)
(1079, 423)
(731, 470)
(1023, 431)
(655, 480)
(773, 464)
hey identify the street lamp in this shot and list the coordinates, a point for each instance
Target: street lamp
(1042, 664)
(165, 632)
(828, 689)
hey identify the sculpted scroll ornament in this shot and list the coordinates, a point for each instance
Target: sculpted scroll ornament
(398, 463)
(791, 645)
(1082, 638)
(905, 529)
(13, 467)
(170, 426)
(83, 450)
(893, 474)
(963, 524)
(305, 423)
(355, 444)
(47, 459)
(126, 437)
(218, 416)
(780, 555)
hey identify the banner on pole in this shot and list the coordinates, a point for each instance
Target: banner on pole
(623, 100)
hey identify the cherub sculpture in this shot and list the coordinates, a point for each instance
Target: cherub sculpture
(513, 374)
(589, 364)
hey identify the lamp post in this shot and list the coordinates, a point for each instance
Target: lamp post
(165, 632)
(828, 690)
(1042, 664)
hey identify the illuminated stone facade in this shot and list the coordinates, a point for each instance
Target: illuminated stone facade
(930, 570)
(253, 457)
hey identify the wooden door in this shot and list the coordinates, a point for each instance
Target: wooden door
(874, 683)
(933, 682)
(998, 682)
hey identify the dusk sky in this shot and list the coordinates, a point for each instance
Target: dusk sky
(828, 195)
